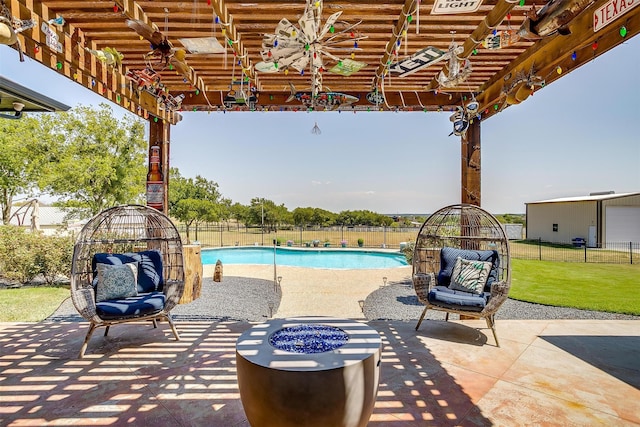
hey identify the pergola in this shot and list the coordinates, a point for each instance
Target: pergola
(473, 58)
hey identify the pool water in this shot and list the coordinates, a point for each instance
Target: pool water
(311, 258)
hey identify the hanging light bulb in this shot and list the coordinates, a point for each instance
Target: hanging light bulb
(115, 8)
(332, 29)
(574, 56)
(36, 49)
(594, 46)
(353, 55)
(355, 44)
(559, 70)
(286, 71)
(409, 18)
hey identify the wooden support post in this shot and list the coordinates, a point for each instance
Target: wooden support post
(159, 134)
(470, 148)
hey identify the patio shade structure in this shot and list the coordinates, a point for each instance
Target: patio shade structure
(16, 99)
(471, 58)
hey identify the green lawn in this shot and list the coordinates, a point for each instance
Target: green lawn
(601, 287)
(30, 304)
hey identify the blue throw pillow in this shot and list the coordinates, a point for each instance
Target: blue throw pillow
(448, 257)
(149, 267)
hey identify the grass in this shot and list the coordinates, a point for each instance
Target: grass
(600, 287)
(30, 304)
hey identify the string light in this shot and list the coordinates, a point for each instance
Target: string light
(594, 46)
(115, 8)
(559, 70)
(623, 31)
(59, 65)
(574, 56)
(36, 49)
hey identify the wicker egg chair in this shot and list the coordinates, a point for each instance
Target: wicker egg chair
(130, 234)
(471, 233)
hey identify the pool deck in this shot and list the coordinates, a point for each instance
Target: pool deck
(546, 372)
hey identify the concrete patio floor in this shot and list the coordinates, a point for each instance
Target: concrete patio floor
(546, 372)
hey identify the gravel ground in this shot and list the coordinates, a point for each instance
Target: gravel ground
(252, 299)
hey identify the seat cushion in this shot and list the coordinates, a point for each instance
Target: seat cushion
(457, 300)
(448, 257)
(140, 305)
(149, 267)
(116, 281)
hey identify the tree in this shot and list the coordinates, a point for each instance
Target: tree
(94, 161)
(20, 160)
(193, 201)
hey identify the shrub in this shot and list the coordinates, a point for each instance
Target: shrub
(408, 252)
(24, 255)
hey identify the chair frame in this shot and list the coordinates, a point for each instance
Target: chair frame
(461, 226)
(127, 228)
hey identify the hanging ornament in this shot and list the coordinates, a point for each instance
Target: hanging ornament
(574, 56)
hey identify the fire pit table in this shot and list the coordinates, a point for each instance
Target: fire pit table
(309, 371)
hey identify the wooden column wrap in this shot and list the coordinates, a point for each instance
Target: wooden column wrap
(470, 174)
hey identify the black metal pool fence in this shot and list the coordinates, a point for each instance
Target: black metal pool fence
(215, 235)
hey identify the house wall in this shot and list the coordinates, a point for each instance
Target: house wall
(572, 218)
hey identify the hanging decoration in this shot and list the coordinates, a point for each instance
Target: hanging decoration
(327, 100)
(521, 87)
(448, 7)
(108, 56)
(418, 61)
(459, 69)
(347, 67)
(464, 115)
(10, 27)
(553, 18)
(310, 44)
(202, 45)
(316, 130)
(162, 51)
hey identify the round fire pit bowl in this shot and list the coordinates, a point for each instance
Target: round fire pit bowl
(309, 371)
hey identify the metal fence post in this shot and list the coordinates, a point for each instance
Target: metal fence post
(631, 252)
(540, 248)
(585, 252)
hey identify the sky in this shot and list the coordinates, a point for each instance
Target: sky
(575, 136)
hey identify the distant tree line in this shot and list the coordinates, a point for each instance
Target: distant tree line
(89, 161)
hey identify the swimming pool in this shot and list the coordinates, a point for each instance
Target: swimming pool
(310, 258)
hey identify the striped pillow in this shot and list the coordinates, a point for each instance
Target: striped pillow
(469, 276)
